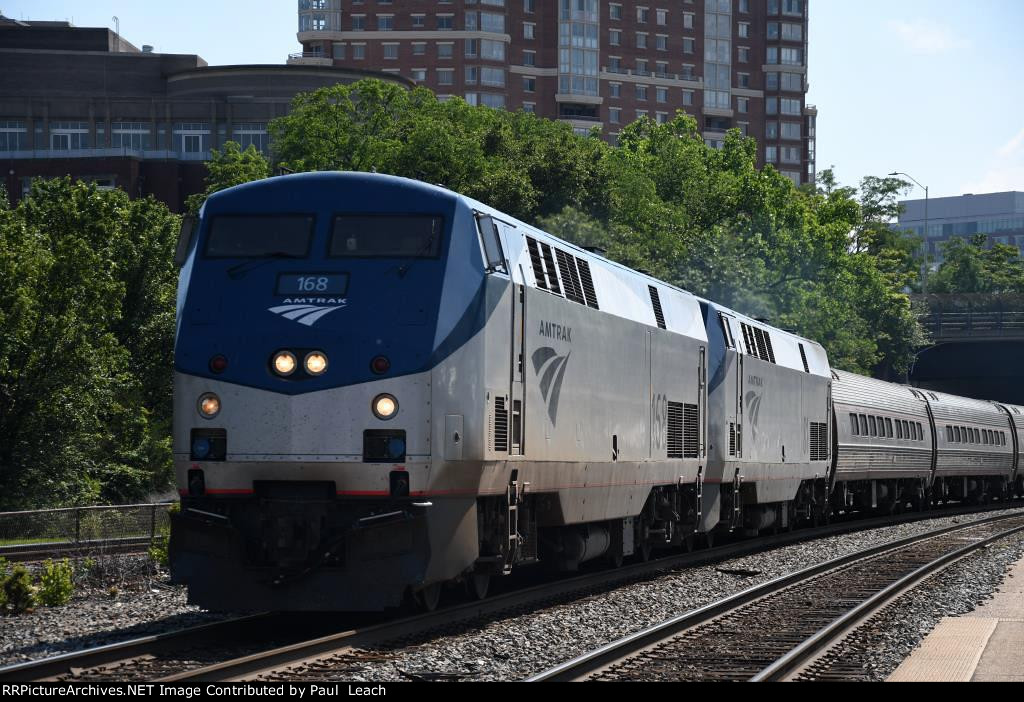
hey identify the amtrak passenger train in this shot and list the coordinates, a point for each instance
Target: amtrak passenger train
(383, 387)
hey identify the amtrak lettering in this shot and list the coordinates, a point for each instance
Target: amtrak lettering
(551, 330)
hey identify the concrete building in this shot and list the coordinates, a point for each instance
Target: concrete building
(999, 215)
(729, 63)
(82, 101)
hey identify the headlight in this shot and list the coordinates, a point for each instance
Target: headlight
(284, 363)
(316, 363)
(209, 405)
(385, 406)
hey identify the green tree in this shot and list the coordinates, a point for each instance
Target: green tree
(86, 328)
(970, 266)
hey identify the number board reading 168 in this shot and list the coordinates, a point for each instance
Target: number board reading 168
(312, 283)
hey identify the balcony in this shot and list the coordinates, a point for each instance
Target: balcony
(105, 152)
(306, 58)
(653, 76)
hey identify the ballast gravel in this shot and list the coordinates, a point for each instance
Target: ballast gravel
(515, 648)
(509, 648)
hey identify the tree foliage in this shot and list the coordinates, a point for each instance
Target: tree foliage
(86, 335)
(227, 167)
(969, 267)
(824, 262)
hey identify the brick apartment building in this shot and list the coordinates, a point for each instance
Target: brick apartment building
(84, 102)
(729, 63)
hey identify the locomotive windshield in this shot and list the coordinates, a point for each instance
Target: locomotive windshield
(260, 236)
(416, 236)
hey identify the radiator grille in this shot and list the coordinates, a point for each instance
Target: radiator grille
(803, 357)
(499, 426)
(819, 441)
(691, 431)
(538, 267)
(656, 303)
(588, 284)
(549, 265)
(675, 430)
(570, 277)
(732, 438)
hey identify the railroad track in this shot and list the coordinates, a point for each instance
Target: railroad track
(775, 630)
(280, 646)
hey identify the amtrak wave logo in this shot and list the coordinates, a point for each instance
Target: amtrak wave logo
(304, 314)
(753, 402)
(546, 359)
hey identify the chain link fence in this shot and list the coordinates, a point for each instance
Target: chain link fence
(80, 529)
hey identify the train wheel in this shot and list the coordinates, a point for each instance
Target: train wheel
(688, 543)
(477, 586)
(429, 597)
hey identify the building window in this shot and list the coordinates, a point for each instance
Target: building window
(615, 115)
(338, 50)
(641, 92)
(390, 51)
(771, 130)
(472, 48)
(358, 23)
(472, 98)
(494, 77)
(529, 58)
(445, 76)
(418, 74)
(528, 30)
(446, 50)
(67, 136)
(791, 130)
(661, 17)
(791, 107)
(793, 82)
(614, 37)
(419, 21)
(472, 75)
(742, 105)
(130, 135)
(529, 6)
(358, 52)
(641, 40)
(491, 100)
(743, 79)
(743, 30)
(530, 107)
(251, 134)
(661, 117)
(445, 22)
(192, 138)
(492, 22)
(419, 48)
(688, 45)
(688, 97)
(661, 42)
(13, 135)
(661, 94)
(641, 15)
(529, 84)
(687, 20)
(615, 11)
(492, 50)
(615, 90)
(743, 55)
(771, 154)
(385, 23)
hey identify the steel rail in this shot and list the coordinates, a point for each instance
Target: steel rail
(581, 667)
(824, 637)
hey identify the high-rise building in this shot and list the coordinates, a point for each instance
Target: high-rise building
(593, 63)
(1000, 216)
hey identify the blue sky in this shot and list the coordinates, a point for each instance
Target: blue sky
(930, 87)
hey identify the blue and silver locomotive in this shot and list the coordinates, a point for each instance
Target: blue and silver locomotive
(383, 387)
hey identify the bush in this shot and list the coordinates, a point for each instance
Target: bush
(55, 583)
(19, 593)
(158, 551)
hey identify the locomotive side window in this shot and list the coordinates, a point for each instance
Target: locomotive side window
(261, 236)
(386, 236)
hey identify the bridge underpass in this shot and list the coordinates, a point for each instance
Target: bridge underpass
(974, 353)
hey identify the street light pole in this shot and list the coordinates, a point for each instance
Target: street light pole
(924, 270)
